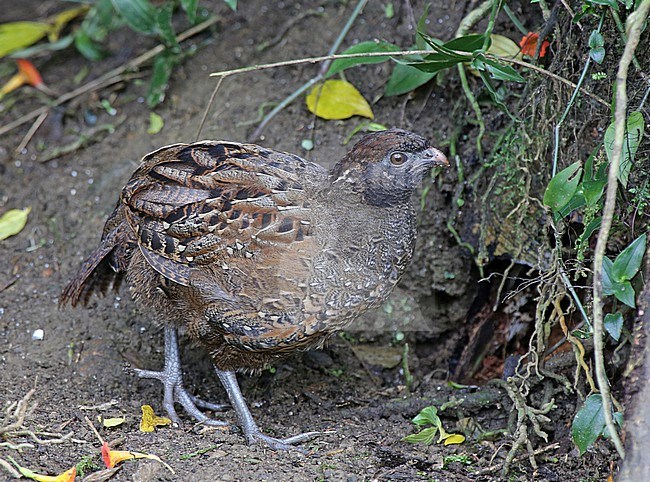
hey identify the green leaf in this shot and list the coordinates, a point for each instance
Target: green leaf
(593, 184)
(593, 225)
(434, 63)
(589, 422)
(164, 25)
(87, 46)
(614, 324)
(101, 18)
(562, 187)
(362, 48)
(406, 78)
(496, 70)
(576, 202)
(156, 123)
(13, 221)
(608, 282)
(633, 135)
(232, 4)
(426, 436)
(628, 262)
(624, 293)
(190, 7)
(140, 15)
(162, 70)
(427, 416)
(596, 50)
(467, 43)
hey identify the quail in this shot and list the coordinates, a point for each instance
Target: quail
(258, 253)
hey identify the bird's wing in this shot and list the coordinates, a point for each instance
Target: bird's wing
(203, 204)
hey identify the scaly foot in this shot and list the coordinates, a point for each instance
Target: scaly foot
(172, 379)
(251, 431)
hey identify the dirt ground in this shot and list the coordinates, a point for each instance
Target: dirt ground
(80, 369)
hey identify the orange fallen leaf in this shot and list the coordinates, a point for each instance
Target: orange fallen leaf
(150, 420)
(27, 75)
(113, 457)
(528, 45)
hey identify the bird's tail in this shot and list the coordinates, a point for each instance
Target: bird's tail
(106, 265)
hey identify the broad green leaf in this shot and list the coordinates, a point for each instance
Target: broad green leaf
(466, 43)
(614, 324)
(162, 70)
(232, 4)
(596, 50)
(426, 436)
(337, 99)
(628, 262)
(576, 202)
(562, 187)
(624, 293)
(140, 15)
(362, 48)
(18, 35)
(100, 20)
(608, 282)
(190, 7)
(590, 228)
(454, 439)
(427, 416)
(406, 78)
(13, 221)
(156, 123)
(589, 422)
(633, 135)
(593, 184)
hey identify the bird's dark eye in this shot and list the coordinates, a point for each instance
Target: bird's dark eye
(397, 158)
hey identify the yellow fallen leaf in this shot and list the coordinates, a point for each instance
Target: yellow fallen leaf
(150, 420)
(18, 35)
(112, 422)
(61, 19)
(454, 439)
(337, 99)
(13, 221)
(67, 476)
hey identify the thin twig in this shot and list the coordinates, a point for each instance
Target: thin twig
(496, 467)
(321, 72)
(109, 78)
(402, 53)
(30, 133)
(635, 21)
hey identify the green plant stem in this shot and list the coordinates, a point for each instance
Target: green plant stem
(496, 5)
(321, 72)
(574, 96)
(635, 22)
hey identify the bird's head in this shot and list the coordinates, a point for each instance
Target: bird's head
(386, 167)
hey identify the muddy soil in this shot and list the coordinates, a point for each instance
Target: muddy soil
(80, 370)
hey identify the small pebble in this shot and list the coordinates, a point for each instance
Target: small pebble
(38, 335)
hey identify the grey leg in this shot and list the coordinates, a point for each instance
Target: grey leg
(251, 431)
(172, 379)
